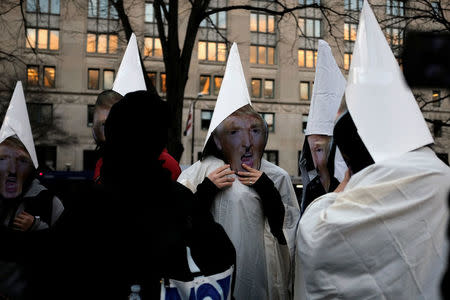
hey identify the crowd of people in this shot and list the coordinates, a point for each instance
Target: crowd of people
(371, 223)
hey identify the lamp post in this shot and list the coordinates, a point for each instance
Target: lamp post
(199, 95)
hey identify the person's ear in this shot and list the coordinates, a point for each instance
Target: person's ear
(217, 142)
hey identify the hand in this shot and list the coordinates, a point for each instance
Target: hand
(220, 177)
(344, 182)
(250, 177)
(23, 221)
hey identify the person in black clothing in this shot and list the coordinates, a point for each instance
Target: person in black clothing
(135, 227)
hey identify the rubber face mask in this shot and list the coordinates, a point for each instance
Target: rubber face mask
(320, 150)
(242, 140)
(16, 168)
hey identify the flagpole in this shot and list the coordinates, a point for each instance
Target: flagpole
(193, 126)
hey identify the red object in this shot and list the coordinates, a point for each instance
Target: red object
(169, 163)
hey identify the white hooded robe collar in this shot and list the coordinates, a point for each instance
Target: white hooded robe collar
(17, 123)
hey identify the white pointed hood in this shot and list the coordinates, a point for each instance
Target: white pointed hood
(233, 92)
(130, 77)
(382, 106)
(329, 87)
(17, 123)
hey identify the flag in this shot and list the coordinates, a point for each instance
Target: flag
(188, 129)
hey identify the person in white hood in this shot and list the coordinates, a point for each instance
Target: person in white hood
(383, 236)
(251, 198)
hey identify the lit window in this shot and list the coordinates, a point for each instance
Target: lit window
(31, 38)
(304, 90)
(54, 40)
(205, 83)
(268, 88)
(152, 77)
(217, 84)
(212, 51)
(152, 47)
(49, 77)
(32, 75)
(42, 15)
(394, 36)
(256, 88)
(347, 60)
(270, 120)
(350, 31)
(262, 55)
(262, 23)
(206, 116)
(101, 43)
(108, 79)
(163, 86)
(307, 58)
(93, 79)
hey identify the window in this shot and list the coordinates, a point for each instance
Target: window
(353, 4)
(262, 55)
(217, 84)
(152, 77)
(307, 58)
(304, 90)
(436, 98)
(43, 24)
(108, 79)
(347, 60)
(394, 36)
(395, 7)
(43, 6)
(90, 115)
(101, 9)
(32, 75)
(256, 88)
(101, 43)
(269, 88)
(46, 39)
(206, 116)
(262, 23)
(217, 20)
(350, 31)
(271, 156)
(205, 84)
(40, 113)
(309, 2)
(304, 122)
(152, 47)
(49, 77)
(309, 27)
(163, 86)
(270, 120)
(150, 13)
(93, 79)
(212, 51)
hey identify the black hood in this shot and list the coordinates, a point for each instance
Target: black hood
(350, 144)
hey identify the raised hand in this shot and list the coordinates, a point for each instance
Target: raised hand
(250, 177)
(220, 177)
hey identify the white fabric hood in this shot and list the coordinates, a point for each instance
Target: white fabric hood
(329, 87)
(233, 93)
(130, 77)
(382, 106)
(17, 123)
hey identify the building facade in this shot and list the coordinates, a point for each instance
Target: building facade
(70, 51)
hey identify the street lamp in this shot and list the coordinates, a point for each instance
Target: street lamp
(199, 95)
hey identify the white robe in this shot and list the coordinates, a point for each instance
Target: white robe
(264, 267)
(383, 237)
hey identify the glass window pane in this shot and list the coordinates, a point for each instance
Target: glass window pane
(204, 84)
(163, 82)
(54, 39)
(92, 8)
(31, 5)
(271, 24)
(90, 45)
(148, 12)
(31, 38)
(253, 22)
(108, 79)
(253, 54)
(221, 51)
(301, 26)
(309, 27)
(317, 28)
(113, 40)
(309, 59)
(261, 55)
(42, 38)
(93, 76)
(301, 58)
(346, 31)
(262, 23)
(256, 88)
(222, 20)
(346, 61)
(270, 55)
(268, 88)
(152, 77)
(103, 9)
(32, 76)
(148, 46)
(212, 51)
(102, 43)
(54, 9)
(113, 12)
(158, 48)
(217, 84)
(315, 57)
(388, 7)
(354, 29)
(43, 6)
(201, 50)
(304, 90)
(49, 77)
(353, 4)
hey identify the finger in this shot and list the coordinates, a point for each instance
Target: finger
(220, 169)
(225, 184)
(24, 213)
(248, 168)
(18, 223)
(244, 174)
(225, 179)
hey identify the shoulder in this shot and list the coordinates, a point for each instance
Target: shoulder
(273, 171)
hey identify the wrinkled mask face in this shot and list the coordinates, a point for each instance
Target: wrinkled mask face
(16, 168)
(98, 128)
(242, 140)
(320, 149)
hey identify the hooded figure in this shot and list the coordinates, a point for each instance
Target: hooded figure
(26, 207)
(321, 164)
(251, 198)
(383, 236)
(139, 225)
